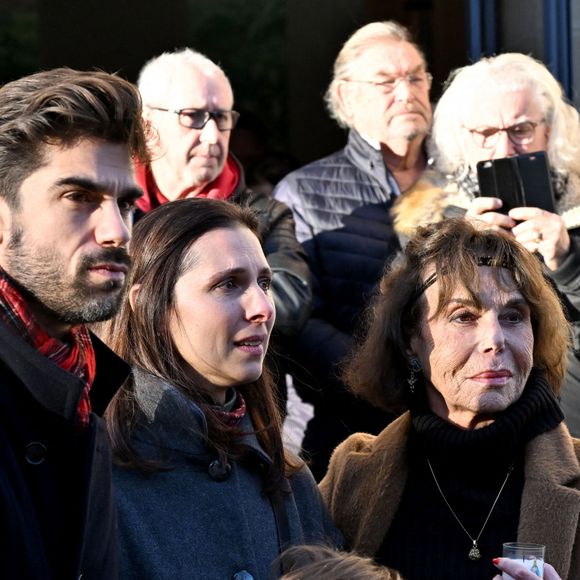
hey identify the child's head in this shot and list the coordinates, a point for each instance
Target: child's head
(324, 563)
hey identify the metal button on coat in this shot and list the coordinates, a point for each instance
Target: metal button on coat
(35, 453)
(242, 575)
(219, 471)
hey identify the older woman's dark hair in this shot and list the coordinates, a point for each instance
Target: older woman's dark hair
(454, 249)
(141, 335)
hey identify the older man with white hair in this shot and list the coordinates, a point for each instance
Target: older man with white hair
(341, 204)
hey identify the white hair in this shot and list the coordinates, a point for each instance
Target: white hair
(158, 72)
(505, 73)
(345, 62)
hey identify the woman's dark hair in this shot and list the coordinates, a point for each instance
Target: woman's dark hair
(454, 249)
(141, 334)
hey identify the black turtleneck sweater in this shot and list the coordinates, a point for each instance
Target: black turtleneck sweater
(425, 541)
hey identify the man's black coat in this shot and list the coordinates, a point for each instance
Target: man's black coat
(57, 515)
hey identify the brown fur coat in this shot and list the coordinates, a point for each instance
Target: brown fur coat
(367, 476)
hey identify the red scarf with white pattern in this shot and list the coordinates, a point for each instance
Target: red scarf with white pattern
(76, 357)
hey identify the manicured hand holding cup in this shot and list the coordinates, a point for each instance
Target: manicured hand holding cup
(519, 571)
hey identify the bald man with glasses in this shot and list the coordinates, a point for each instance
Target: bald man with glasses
(188, 103)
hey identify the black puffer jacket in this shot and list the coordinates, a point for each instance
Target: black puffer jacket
(341, 207)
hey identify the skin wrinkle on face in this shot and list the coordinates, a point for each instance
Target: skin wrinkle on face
(184, 160)
(223, 299)
(457, 347)
(503, 109)
(74, 214)
(403, 114)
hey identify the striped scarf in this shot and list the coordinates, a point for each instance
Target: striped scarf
(76, 357)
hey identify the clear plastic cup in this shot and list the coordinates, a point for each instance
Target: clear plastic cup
(530, 555)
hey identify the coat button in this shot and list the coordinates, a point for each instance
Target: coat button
(219, 471)
(35, 453)
(242, 575)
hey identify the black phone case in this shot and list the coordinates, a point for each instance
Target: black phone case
(520, 181)
(498, 178)
(536, 181)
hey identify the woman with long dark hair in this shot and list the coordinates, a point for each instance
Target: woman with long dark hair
(204, 486)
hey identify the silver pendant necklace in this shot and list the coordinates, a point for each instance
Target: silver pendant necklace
(474, 553)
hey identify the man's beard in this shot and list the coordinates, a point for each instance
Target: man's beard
(41, 273)
(414, 130)
(410, 131)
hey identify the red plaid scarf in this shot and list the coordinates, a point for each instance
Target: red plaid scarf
(76, 357)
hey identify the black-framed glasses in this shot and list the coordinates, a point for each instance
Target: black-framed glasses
(198, 118)
(417, 80)
(519, 134)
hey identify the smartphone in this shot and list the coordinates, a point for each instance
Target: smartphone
(519, 181)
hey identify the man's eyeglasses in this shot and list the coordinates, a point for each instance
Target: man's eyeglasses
(519, 134)
(416, 80)
(198, 118)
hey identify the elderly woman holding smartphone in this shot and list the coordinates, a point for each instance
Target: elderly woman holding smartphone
(204, 486)
(504, 106)
(500, 107)
(468, 339)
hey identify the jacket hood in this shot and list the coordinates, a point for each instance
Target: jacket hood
(176, 423)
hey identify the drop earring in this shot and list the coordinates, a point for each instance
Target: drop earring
(414, 368)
